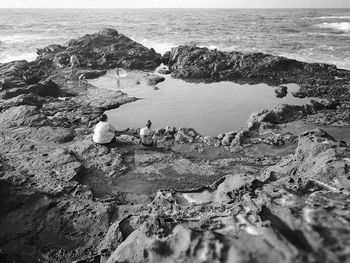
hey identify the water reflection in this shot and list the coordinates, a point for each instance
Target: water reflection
(209, 108)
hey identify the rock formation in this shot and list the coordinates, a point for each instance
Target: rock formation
(281, 91)
(191, 62)
(261, 194)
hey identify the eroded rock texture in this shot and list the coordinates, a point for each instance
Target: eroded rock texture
(260, 194)
(295, 211)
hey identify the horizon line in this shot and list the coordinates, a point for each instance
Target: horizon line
(174, 7)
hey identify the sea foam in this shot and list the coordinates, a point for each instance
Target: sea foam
(8, 57)
(342, 26)
(158, 46)
(332, 17)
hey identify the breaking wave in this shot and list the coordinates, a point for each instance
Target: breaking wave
(332, 17)
(342, 26)
(158, 46)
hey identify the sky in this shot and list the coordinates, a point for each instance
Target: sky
(174, 3)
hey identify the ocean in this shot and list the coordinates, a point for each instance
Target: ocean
(311, 35)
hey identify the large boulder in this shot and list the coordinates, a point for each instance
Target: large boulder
(281, 91)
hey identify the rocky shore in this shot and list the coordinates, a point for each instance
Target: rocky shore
(277, 191)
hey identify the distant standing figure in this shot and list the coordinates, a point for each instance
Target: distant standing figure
(118, 73)
(104, 132)
(74, 62)
(82, 79)
(147, 135)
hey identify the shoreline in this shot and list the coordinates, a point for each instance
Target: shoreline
(68, 199)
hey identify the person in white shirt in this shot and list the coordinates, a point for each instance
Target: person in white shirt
(104, 132)
(147, 135)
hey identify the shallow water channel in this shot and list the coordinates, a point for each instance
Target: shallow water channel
(208, 108)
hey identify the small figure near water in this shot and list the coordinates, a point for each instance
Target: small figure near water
(117, 72)
(148, 138)
(74, 62)
(104, 132)
(82, 79)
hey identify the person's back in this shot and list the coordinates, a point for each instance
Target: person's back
(146, 135)
(103, 132)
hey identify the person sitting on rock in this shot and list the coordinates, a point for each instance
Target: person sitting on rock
(104, 132)
(147, 135)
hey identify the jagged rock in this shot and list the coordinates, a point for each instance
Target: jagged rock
(186, 135)
(202, 63)
(281, 91)
(103, 50)
(221, 136)
(239, 138)
(227, 139)
(153, 80)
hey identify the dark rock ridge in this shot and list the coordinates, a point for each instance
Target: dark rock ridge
(103, 50)
(191, 62)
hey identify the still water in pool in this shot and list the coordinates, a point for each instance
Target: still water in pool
(208, 108)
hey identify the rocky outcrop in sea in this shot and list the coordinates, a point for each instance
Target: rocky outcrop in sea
(271, 192)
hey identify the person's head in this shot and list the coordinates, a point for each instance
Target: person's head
(148, 124)
(103, 117)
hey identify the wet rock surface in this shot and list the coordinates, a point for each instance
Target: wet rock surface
(276, 191)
